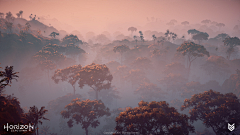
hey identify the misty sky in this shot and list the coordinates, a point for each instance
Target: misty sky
(99, 15)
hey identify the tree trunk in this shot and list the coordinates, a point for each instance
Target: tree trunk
(86, 131)
(37, 129)
(96, 95)
(74, 90)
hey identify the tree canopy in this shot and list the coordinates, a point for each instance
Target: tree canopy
(85, 112)
(214, 109)
(153, 118)
(96, 76)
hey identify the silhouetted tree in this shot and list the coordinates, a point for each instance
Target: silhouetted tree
(232, 42)
(67, 74)
(9, 17)
(132, 29)
(36, 116)
(7, 76)
(85, 113)
(206, 21)
(220, 25)
(214, 109)
(71, 39)
(54, 34)
(135, 37)
(153, 118)
(141, 36)
(193, 31)
(1, 15)
(192, 51)
(121, 49)
(222, 36)
(200, 36)
(185, 23)
(21, 12)
(154, 38)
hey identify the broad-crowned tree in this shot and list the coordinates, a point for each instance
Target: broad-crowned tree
(96, 76)
(54, 34)
(67, 74)
(214, 109)
(85, 112)
(200, 36)
(185, 23)
(153, 118)
(121, 49)
(192, 51)
(132, 29)
(232, 42)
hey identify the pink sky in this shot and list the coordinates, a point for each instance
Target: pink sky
(98, 14)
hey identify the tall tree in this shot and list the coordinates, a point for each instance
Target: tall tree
(153, 118)
(7, 76)
(85, 113)
(200, 36)
(96, 76)
(21, 12)
(121, 49)
(192, 51)
(141, 36)
(36, 116)
(135, 37)
(132, 29)
(206, 21)
(154, 38)
(185, 23)
(54, 34)
(1, 15)
(18, 15)
(220, 25)
(214, 109)
(232, 42)
(9, 17)
(67, 74)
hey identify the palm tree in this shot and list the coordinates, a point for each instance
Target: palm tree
(154, 38)
(135, 37)
(35, 116)
(21, 12)
(8, 74)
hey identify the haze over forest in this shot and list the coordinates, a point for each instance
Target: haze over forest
(96, 67)
(112, 15)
